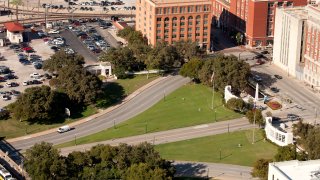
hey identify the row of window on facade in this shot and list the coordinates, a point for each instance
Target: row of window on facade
(182, 24)
(184, 9)
(280, 4)
(166, 31)
(280, 137)
(182, 18)
(166, 37)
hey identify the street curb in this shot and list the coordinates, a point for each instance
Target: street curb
(84, 120)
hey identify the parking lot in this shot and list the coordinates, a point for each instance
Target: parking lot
(21, 71)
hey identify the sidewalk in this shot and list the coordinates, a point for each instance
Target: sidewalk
(127, 99)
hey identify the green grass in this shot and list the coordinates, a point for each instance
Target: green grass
(13, 128)
(132, 84)
(189, 105)
(207, 149)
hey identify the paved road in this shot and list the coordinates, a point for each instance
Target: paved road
(213, 170)
(107, 36)
(172, 135)
(138, 104)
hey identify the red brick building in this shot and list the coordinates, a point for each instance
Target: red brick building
(253, 18)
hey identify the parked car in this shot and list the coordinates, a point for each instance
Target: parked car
(34, 75)
(278, 76)
(293, 117)
(26, 83)
(257, 78)
(53, 31)
(12, 84)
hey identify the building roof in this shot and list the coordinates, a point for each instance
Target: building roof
(13, 26)
(299, 169)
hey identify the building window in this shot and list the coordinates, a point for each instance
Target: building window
(197, 22)
(205, 34)
(205, 22)
(204, 39)
(166, 25)
(166, 19)
(174, 24)
(206, 16)
(181, 29)
(166, 31)
(182, 18)
(174, 36)
(181, 35)
(174, 30)
(159, 11)
(198, 8)
(190, 8)
(290, 4)
(166, 36)
(182, 9)
(158, 31)
(182, 23)
(158, 37)
(158, 25)
(197, 28)
(158, 19)
(190, 23)
(280, 4)
(189, 29)
(206, 8)
(197, 34)
(174, 19)
(205, 28)
(189, 35)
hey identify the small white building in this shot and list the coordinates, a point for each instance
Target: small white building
(294, 170)
(277, 135)
(14, 32)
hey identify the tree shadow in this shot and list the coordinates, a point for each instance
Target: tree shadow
(267, 80)
(113, 93)
(190, 169)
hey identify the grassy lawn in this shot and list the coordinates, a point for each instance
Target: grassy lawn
(12, 128)
(187, 106)
(207, 149)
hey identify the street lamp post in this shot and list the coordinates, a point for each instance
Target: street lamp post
(254, 123)
(212, 100)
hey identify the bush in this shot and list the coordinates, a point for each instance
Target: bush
(274, 105)
(4, 114)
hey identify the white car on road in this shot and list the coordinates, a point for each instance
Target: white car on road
(35, 75)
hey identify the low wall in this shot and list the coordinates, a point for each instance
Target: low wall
(277, 136)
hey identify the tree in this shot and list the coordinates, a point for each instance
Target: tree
(188, 49)
(239, 38)
(312, 143)
(191, 69)
(255, 115)
(260, 168)
(227, 71)
(61, 59)
(163, 57)
(43, 162)
(132, 36)
(236, 104)
(17, 3)
(4, 114)
(39, 104)
(142, 171)
(286, 153)
(81, 86)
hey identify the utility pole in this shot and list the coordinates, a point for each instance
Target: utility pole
(212, 100)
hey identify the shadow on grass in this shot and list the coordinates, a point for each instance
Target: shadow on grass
(192, 170)
(113, 93)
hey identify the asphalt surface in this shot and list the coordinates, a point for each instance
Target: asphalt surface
(173, 135)
(138, 104)
(74, 42)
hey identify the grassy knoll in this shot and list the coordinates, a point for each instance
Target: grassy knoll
(187, 106)
(12, 128)
(207, 149)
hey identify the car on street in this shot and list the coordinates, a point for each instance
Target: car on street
(12, 84)
(278, 76)
(293, 117)
(26, 83)
(257, 78)
(5, 97)
(274, 89)
(64, 129)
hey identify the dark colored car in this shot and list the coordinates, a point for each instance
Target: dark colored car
(10, 76)
(278, 76)
(274, 89)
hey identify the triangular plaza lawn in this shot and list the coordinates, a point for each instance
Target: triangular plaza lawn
(189, 105)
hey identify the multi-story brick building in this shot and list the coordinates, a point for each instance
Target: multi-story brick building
(297, 43)
(174, 20)
(253, 18)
